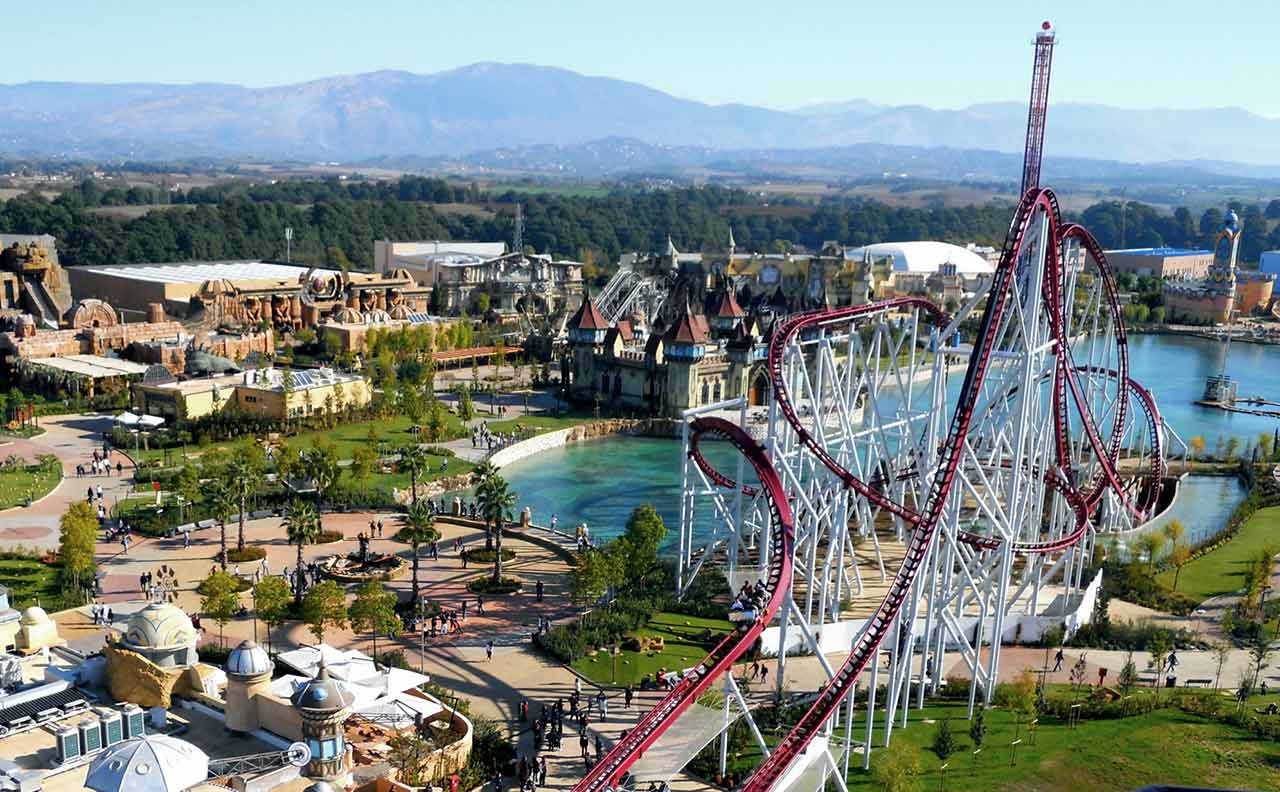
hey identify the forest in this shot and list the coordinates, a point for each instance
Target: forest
(335, 222)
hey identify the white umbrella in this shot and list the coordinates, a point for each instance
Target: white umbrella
(127, 419)
(150, 421)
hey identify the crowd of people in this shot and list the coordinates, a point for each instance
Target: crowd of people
(548, 725)
(482, 437)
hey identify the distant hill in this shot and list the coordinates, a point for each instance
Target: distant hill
(493, 106)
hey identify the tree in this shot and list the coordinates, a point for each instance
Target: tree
(596, 571)
(242, 474)
(1159, 645)
(944, 741)
(363, 461)
(1128, 674)
(1264, 444)
(1179, 557)
(897, 767)
(466, 408)
(77, 533)
(408, 755)
(499, 355)
(271, 601)
(1020, 695)
(320, 465)
(496, 504)
(1221, 654)
(413, 460)
(640, 541)
(187, 485)
(435, 420)
(324, 607)
(1151, 543)
(978, 728)
(302, 527)
(220, 599)
(374, 611)
(419, 528)
(222, 503)
(1233, 447)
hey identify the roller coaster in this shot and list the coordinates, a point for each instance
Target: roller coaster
(993, 484)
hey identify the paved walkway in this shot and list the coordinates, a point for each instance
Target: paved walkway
(72, 438)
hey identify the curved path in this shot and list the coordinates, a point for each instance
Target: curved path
(72, 438)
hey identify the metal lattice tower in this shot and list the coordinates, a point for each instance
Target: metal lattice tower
(1038, 108)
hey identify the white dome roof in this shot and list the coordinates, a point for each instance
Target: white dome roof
(248, 659)
(34, 615)
(154, 763)
(160, 626)
(925, 257)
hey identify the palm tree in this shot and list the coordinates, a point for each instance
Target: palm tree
(223, 503)
(413, 460)
(419, 528)
(496, 503)
(483, 471)
(302, 527)
(240, 480)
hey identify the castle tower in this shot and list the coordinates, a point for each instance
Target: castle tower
(248, 675)
(587, 330)
(727, 315)
(324, 704)
(685, 346)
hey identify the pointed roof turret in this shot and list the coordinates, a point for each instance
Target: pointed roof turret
(686, 329)
(671, 248)
(588, 316)
(732, 244)
(727, 307)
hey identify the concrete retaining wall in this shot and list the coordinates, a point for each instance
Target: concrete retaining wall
(648, 427)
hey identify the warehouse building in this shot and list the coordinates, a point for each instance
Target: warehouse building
(1162, 262)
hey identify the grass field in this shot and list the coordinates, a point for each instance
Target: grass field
(682, 647)
(1221, 571)
(1166, 747)
(30, 582)
(1163, 747)
(29, 482)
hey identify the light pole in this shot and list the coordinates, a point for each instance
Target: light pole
(288, 244)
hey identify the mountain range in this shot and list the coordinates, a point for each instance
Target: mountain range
(488, 107)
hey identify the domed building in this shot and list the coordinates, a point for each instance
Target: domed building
(36, 630)
(152, 763)
(163, 634)
(324, 704)
(249, 672)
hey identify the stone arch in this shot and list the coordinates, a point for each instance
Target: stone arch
(92, 312)
(758, 392)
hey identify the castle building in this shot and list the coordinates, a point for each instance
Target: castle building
(1225, 290)
(696, 361)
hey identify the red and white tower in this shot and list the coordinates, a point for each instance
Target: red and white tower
(1038, 108)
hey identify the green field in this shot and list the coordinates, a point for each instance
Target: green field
(683, 646)
(30, 582)
(1221, 571)
(1166, 746)
(28, 482)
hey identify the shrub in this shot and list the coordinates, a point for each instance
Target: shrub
(242, 584)
(481, 555)
(245, 554)
(329, 536)
(944, 741)
(487, 585)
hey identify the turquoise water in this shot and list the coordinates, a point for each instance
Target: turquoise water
(1174, 369)
(1203, 505)
(600, 482)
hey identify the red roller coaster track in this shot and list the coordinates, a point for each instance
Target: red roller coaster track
(925, 522)
(626, 752)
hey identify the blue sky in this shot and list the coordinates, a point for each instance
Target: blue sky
(1130, 53)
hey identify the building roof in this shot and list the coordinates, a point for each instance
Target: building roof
(152, 763)
(201, 271)
(728, 307)
(248, 659)
(366, 681)
(688, 330)
(1161, 252)
(588, 316)
(92, 366)
(924, 257)
(160, 625)
(302, 379)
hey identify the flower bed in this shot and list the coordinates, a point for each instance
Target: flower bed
(487, 585)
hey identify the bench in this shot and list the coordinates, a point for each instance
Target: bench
(1199, 682)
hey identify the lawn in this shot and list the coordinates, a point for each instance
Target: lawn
(1221, 571)
(686, 640)
(25, 483)
(30, 582)
(1163, 747)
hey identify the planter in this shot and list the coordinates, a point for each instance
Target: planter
(486, 585)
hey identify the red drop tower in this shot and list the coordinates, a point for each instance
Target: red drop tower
(1039, 107)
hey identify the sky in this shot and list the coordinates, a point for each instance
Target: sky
(940, 53)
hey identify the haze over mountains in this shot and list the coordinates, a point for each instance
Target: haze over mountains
(489, 106)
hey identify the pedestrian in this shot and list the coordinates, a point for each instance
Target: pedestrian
(539, 590)
(464, 609)
(479, 604)
(627, 695)
(99, 492)
(599, 747)
(584, 744)
(542, 771)
(764, 674)
(488, 651)
(119, 469)
(1057, 660)
(186, 539)
(1102, 676)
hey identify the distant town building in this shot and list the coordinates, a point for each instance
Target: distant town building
(271, 393)
(1162, 262)
(1269, 264)
(459, 272)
